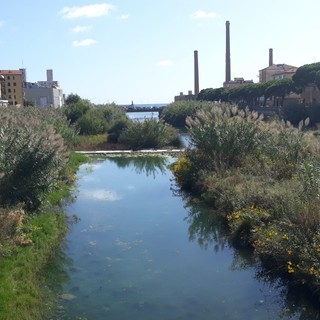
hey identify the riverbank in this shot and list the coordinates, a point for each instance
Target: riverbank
(25, 256)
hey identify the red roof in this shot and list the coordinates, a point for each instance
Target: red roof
(8, 72)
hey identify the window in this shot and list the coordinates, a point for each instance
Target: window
(9, 90)
(9, 84)
(14, 84)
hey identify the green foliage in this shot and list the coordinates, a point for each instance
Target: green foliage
(74, 111)
(225, 134)
(95, 119)
(280, 88)
(116, 128)
(92, 122)
(295, 113)
(47, 117)
(28, 103)
(264, 178)
(307, 74)
(23, 295)
(72, 99)
(184, 172)
(176, 113)
(149, 133)
(218, 95)
(32, 157)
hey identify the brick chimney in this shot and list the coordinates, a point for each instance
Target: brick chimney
(196, 73)
(270, 57)
(228, 59)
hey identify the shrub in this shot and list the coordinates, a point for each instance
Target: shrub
(47, 116)
(176, 113)
(116, 128)
(91, 123)
(32, 156)
(244, 222)
(149, 133)
(74, 111)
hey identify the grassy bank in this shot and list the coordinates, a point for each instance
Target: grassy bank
(26, 254)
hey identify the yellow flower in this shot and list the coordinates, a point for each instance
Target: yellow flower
(290, 267)
(289, 252)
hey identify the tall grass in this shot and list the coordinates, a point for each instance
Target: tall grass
(263, 177)
(32, 157)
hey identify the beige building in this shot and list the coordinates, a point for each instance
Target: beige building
(237, 82)
(12, 87)
(276, 71)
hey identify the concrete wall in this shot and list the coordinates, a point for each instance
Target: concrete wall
(45, 97)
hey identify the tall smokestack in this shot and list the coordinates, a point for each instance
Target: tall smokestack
(196, 73)
(270, 57)
(228, 59)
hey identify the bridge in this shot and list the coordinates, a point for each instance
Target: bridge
(133, 108)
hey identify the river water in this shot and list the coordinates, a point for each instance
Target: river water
(140, 250)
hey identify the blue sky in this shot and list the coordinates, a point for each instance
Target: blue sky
(142, 50)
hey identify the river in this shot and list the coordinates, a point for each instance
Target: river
(138, 249)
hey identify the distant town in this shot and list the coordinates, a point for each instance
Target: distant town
(16, 90)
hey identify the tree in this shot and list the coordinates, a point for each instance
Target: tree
(76, 110)
(307, 74)
(218, 94)
(279, 89)
(72, 98)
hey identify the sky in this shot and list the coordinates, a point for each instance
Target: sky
(142, 51)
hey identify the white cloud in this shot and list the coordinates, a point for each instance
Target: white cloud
(124, 16)
(83, 43)
(89, 11)
(101, 194)
(165, 63)
(200, 14)
(79, 29)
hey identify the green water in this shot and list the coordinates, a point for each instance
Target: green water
(143, 251)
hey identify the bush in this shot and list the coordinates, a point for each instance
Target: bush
(149, 133)
(116, 128)
(47, 116)
(32, 156)
(263, 177)
(92, 123)
(76, 110)
(176, 113)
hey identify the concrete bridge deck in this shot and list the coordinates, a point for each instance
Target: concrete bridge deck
(173, 152)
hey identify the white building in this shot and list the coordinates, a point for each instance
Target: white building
(44, 93)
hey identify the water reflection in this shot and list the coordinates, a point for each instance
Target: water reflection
(153, 256)
(207, 229)
(148, 165)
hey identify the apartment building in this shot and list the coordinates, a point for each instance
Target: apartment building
(12, 87)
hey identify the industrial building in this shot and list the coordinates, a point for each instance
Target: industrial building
(44, 93)
(15, 90)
